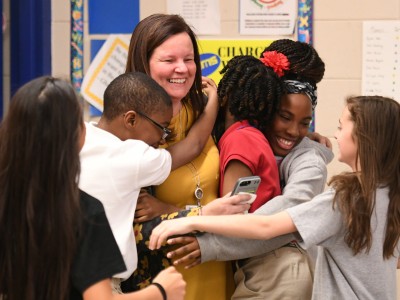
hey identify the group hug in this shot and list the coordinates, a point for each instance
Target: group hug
(138, 204)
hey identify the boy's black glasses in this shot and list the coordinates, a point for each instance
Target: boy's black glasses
(166, 131)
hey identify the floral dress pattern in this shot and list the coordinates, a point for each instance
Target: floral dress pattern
(150, 263)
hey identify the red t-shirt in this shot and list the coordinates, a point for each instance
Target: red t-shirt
(248, 145)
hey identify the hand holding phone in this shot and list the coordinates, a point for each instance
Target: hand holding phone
(247, 185)
(251, 200)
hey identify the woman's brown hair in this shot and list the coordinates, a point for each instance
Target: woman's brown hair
(377, 135)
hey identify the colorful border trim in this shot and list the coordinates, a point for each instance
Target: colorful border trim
(305, 31)
(77, 43)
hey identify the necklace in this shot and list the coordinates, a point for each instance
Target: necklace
(198, 192)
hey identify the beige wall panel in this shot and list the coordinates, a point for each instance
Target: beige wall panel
(60, 56)
(6, 8)
(229, 29)
(60, 11)
(339, 43)
(356, 10)
(229, 10)
(60, 38)
(148, 8)
(331, 96)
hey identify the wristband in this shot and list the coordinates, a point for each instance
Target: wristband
(162, 290)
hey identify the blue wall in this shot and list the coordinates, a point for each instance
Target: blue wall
(106, 17)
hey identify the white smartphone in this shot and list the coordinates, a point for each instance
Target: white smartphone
(247, 184)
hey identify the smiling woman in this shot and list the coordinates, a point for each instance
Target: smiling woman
(165, 47)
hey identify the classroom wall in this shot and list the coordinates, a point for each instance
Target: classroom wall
(337, 37)
(338, 40)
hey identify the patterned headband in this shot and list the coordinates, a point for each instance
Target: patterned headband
(299, 87)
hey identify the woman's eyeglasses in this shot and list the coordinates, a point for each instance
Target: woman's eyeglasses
(166, 131)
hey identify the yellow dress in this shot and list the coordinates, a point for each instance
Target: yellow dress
(211, 280)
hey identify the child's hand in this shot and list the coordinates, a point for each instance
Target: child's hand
(227, 205)
(188, 254)
(169, 228)
(149, 207)
(210, 89)
(172, 281)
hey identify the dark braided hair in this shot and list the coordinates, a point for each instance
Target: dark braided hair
(250, 91)
(305, 63)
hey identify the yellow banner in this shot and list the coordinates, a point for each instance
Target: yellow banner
(215, 54)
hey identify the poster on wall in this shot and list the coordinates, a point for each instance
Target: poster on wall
(381, 59)
(267, 17)
(108, 64)
(203, 15)
(111, 59)
(215, 54)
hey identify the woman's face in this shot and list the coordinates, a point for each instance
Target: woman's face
(290, 124)
(347, 144)
(173, 67)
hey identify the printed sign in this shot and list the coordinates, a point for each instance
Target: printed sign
(215, 54)
(108, 64)
(381, 59)
(267, 17)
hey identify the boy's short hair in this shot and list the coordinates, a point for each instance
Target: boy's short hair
(134, 91)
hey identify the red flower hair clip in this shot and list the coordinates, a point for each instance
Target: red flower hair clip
(277, 61)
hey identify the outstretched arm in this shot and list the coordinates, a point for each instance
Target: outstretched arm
(191, 146)
(225, 205)
(244, 226)
(149, 208)
(305, 177)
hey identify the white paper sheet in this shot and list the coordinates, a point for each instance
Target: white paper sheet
(381, 59)
(203, 15)
(272, 17)
(108, 63)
